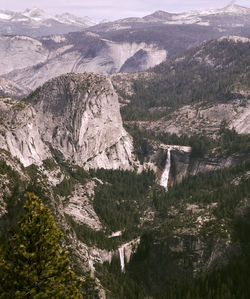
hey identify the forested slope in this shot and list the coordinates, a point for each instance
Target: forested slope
(217, 70)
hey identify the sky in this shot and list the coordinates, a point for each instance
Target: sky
(115, 9)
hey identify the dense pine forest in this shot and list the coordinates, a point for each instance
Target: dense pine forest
(149, 271)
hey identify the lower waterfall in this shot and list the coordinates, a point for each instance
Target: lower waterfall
(122, 260)
(165, 175)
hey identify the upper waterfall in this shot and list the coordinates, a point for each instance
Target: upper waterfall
(165, 175)
(122, 258)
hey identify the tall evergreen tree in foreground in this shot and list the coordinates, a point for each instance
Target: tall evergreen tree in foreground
(32, 262)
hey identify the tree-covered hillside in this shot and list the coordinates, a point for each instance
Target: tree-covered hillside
(217, 70)
(203, 212)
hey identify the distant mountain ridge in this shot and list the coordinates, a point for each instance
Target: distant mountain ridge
(238, 16)
(229, 9)
(36, 22)
(200, 17)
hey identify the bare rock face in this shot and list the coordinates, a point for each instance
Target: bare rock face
(80, 208)
(12, 89)
(79, 118)
(33, 61)
(19, 132)
(17, 52)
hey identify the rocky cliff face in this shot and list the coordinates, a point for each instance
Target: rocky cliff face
(79, 118)
(31, 62)
(19, 132)
(17, 52)
(182, 163)
(75, 117)
(197, 118)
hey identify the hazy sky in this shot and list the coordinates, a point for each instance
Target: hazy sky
(115, 9)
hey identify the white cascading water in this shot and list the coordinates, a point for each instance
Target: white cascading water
(165, 175)
(122, 260)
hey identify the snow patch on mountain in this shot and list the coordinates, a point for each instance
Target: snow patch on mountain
(37, 14)
(5, 16)
(70, 19)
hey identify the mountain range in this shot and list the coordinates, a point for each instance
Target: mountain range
(128, 45)
(36, 22)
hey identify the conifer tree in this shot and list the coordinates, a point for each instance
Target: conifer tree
(32, 262)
